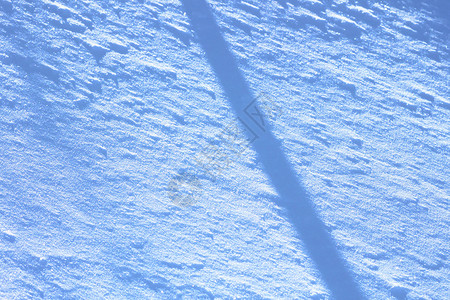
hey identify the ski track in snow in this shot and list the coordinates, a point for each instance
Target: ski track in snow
(103, 104)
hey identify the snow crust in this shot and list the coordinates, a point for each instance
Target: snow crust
(224, 149)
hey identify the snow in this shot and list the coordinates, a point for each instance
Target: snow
(224, 149)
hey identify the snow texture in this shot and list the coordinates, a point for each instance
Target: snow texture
(193, 149)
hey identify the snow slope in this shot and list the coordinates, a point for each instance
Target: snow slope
(288, 149)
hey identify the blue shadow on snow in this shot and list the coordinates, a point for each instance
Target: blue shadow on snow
(293, 197)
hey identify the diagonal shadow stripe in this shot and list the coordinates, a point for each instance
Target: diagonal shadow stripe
(294, 199)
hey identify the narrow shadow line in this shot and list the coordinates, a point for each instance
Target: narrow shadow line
(294, 199)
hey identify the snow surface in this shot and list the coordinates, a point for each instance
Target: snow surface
(288, 149)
